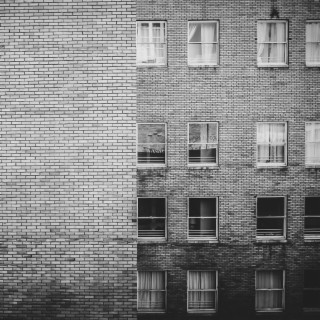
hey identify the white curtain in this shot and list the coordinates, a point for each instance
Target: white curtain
(158, 40)
(143, 42)
(312, 143)
(271, 42)
(313, 42)
(271, 142)
(151, 287)
(270, 284)
(208, 31)
(199, 282)
(194, 49)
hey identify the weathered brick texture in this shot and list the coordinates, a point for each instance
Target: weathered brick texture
(67, 113)
(237, 94)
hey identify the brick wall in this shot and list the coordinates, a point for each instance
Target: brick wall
(237, 94)
(67, 160)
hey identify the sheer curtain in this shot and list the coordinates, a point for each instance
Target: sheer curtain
(271, 42)
(194, 49)
(208, 31)
(143, 42)
(158, 40)
(201, 284)
(269, 285)
(151, 286)
(313, 142)
(313, 43)
(271, 142)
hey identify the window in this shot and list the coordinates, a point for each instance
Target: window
(203, 217)
(151, 291)
(269, 290)
(151, 43)
(311, 292)
(203, 43)
(151, 144)
(272, 43)
(312, 143)
(312, 217)
(313, 43)
(152, 218)
(271, 217)
(202, 291)
(203, 143)
(271, 144)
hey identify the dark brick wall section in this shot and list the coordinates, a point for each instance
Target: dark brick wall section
(237, 94)
(67, 113)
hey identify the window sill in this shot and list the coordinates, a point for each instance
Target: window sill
(271, 240)
(312, 166)
(203, 65)
(310, 310)
(144, 311)
(203, 166)
(268, 311)
(143, 167)
(311, 238)
(282, 65)
(151, 240)
(316, 65)
(271, 166)
(202, 311)
(203, 240)
(151, 65)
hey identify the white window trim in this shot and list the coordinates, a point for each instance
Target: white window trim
(165, 39)
(275, 65)
(165, 289)
(152, 239)
(273, 165)
(310, 64)
(215, 290)
(306, 309)
(216, 238)
(309, 165)
(152, 165)
(310, 236)
(217, 43)
(203, 164)
(271, 238)
(283, 293)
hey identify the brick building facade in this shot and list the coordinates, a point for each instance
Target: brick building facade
(253, 89)
(68, 114)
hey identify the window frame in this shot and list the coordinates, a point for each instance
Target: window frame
(283, 292)
(274, 65)
(165, 291)
(203, 164)
(201, 238)
(285, 156)
(216, 290)
(307, 309)
(310, 164)
(156, 64)
(151, 165)
(311, 64)
(149, 239)
(284, 217)
(310, 236)
(206, 64)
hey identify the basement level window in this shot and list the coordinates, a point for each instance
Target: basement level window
(312, 218)
(270, 290)
(313, 43)
(151, 43)
(272, 43)
(202, 291)
(203, 143)
(151, 148)
(271, 218)
(151, 218)
(271, 144)
(312, 144)
(152, 291)
(203, 43)
(311, 291)
(203, 214)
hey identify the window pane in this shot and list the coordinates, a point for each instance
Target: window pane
(269, 299)
(203, 53)
(270, 206)
(151, 133)
(202, 153)
(267, 279)
(202, 227)
(312, 279)
(202, 207)
(151, 227)
(151, 207)
(202, 280)
(270, 227)
(313, 42)
(311, 299)
(201, 300)
(151, 153)
(203, 133)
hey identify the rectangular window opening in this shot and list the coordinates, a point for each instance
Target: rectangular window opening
(311, 291)
(312, 143)
(313, 43)
(312, 218)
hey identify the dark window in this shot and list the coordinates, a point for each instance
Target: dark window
(312, 217)
(311, 293)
